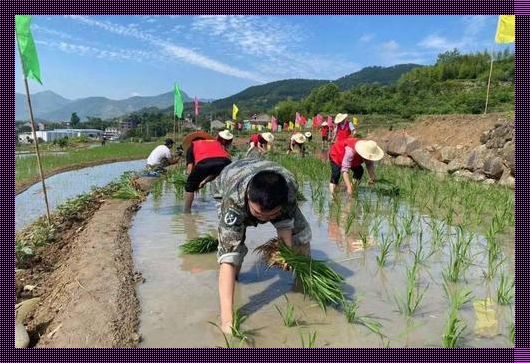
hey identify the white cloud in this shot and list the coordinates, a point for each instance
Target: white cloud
(168, 48)
(391, 53)
(366, 38)
(438, 43)
(390, 46)
(134, 94)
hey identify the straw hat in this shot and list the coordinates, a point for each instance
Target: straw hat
(308, 134)
(299, 138)
(369, 150)
(225, 134)
(340, 117)
(268, 137)
(325, 123)
(186, 142)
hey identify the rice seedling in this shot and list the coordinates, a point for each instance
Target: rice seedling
(349, 222)
(364, 240)
(413, 298)
(376, 226)
(384, 250)
(398, 240)
(457, 297)
(453, 331)
(126, 188)
(288, 316)
(309, 340)
(408, 223)
(351, 311)
(420, 256)
(511, 333)
(199, 245)
(506, 290)
(237, 320)
(318, 281)
(458, 258)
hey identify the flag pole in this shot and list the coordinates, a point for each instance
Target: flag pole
(489, 82)
(35, 139)
(174, 127)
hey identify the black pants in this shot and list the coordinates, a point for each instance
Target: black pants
(204, 169)
(335, 172)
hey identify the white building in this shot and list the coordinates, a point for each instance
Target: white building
(57, 134)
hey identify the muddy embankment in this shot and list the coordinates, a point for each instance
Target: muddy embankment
(80, 290)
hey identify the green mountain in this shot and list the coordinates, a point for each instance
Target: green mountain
(42, 102)
(376, 74)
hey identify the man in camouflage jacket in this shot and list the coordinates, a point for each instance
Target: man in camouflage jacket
(253, 192)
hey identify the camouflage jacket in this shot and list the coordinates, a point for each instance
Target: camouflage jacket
(230, 187)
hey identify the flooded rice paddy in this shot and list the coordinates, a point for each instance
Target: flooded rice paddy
(395, 257)
(29, 205)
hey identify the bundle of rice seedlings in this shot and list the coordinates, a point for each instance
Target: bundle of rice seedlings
(318, 281)
(300, 196)
(384, 187)
(200, 245)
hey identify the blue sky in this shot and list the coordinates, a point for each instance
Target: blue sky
(216, 56)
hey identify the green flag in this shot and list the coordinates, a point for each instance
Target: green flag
(179, 105)
(26, 47)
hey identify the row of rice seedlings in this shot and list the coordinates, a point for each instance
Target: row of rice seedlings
(384, 250)
(505, 290)
(454, 329)
(351, 312)
(414, 296)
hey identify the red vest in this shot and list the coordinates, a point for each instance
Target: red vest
(255, 139)
(337, 151)
(207, 149)
(324, 130)
(343, 132)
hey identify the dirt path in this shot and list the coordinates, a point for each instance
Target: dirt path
(89, 300)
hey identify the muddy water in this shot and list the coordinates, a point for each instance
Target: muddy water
(29, 205)
(179, 297)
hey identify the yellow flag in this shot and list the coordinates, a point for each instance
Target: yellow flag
(355, 121)
(269, 126)
(234, 111)
(505, 29)
(291, 125)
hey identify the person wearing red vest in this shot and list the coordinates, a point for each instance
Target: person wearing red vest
(343, 128)
(262, 142)
(205, 159)
(349, 154)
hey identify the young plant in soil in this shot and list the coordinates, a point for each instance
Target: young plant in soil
(384, 250)
(456, 297)
(505, 291)
(351, 311)
(288, 316)
(309, 341)
(453, 331)
(200, 245)
(409, 304)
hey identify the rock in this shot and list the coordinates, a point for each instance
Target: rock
(484, 137)
(507, 179)
(463, 174)
(489, 181)
(386, 160)
(455, 165)
(493, 167)
(447, 154)
(24, 308)
(404, 161)
(21, 336)
(508, 155)
(478, 176)
(402, 145)
(477, 157)
(425, 161)
(497, 137)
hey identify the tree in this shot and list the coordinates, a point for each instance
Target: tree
(74, 120)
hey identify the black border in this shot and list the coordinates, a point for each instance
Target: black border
(191, 7)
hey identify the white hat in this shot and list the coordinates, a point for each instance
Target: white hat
(268, 137)
(340, 117)
(299, 138)
(325, 123)
(225, 134)
(308, 134)
(369, 150)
